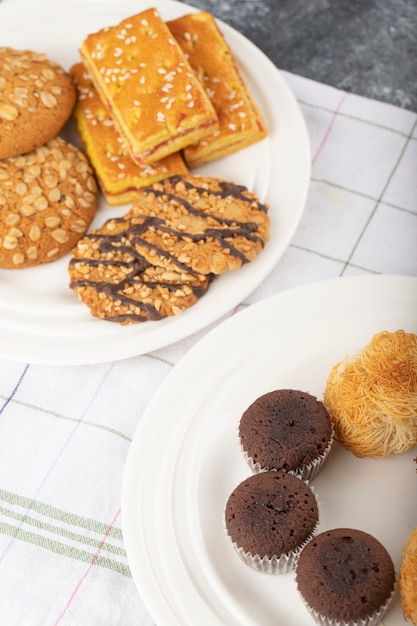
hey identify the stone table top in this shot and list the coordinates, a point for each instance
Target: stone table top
(367, 47)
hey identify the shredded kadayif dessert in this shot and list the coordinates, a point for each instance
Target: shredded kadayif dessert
(407, 581)
(372, 396)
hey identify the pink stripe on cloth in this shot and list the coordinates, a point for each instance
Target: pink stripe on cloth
(90, 567)
(329, 128)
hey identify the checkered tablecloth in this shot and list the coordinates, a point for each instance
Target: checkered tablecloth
(64, 438)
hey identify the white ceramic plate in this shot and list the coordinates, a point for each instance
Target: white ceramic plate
(185, 458)
(41, 319)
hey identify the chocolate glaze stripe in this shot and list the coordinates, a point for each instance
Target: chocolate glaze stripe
(217, 234)
(113, 292)
(227, 189)
(164, 254)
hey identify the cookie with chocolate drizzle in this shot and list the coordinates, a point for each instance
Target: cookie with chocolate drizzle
(119, 285)
(198, 224)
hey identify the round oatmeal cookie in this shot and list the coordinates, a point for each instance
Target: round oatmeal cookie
(198, 224)
(37, 97)
(119, 285)
(48, 198)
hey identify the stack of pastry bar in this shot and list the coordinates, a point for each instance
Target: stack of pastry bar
(156, 98)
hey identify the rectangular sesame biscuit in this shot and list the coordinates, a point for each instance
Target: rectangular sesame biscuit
(119, 176)
(143, 77)
(240, 120)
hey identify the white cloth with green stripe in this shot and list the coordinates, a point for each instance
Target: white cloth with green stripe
(63, 439)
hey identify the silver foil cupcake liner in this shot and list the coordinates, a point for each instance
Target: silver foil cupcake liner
(272, 565)
(370, 620)
(306, 472)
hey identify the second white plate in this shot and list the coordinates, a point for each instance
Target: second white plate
(185, 458)
(41, 319)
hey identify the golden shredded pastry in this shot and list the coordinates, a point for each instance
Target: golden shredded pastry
(407, 581)
(372, 396)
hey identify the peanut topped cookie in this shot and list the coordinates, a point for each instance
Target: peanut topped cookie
(48, 199)
(119, 285)
(198, 224)
(36, 99)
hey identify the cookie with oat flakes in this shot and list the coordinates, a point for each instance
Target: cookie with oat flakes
(198, 224)
(119, 285)
(37, 97)
(48, 198)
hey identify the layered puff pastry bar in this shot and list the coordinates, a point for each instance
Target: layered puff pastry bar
(143, 77)
(118, 175)
(240, 120)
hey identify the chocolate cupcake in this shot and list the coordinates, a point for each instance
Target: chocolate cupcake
(346, 578)
(286, 430)
(269, 518)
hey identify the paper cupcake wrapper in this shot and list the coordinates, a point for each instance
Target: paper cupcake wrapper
(371, 620)
(272, 565)
(305, 472)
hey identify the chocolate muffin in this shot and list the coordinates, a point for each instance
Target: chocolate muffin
(345, 577)
(269, 518)
(286, 429)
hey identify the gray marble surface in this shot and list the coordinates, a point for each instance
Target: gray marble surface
(367, 47)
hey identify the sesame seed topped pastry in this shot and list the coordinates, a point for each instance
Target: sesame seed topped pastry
(240, 121)
(118, 175)
(198, 224)
(143, 77)
(36, 99)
